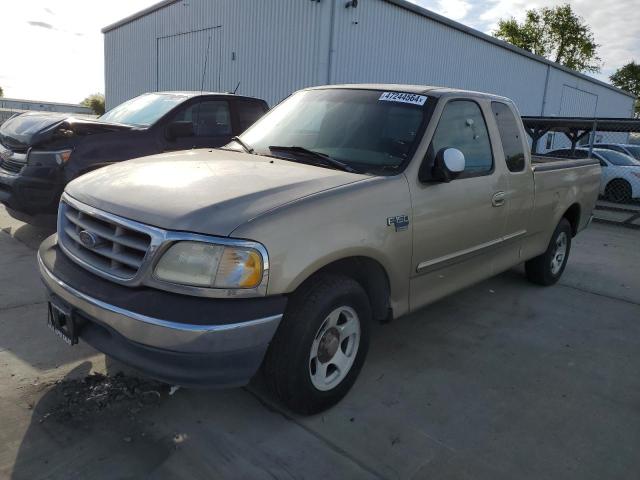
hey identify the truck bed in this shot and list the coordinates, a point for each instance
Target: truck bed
(560, 183)
(543, 163)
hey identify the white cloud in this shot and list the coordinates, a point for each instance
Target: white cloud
(454, 9)
(53, 51)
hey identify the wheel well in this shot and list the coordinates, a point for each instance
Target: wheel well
(617, 180)
(573, 216)
(370, 274)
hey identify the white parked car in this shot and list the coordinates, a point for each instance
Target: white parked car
(620, 180)
(626, 148)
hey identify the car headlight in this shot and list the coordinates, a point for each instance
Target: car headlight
(203, 264)
(46, 157)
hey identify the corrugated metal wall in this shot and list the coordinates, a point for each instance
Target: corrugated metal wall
(273, 48)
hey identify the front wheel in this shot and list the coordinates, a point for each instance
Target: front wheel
(546, 269)
(320, 345)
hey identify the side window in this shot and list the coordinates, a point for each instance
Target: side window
(510, 136)
(210, 118)
(248, 113)
(462, 126)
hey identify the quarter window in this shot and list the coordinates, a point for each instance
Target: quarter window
(510, 136)
(462, 126)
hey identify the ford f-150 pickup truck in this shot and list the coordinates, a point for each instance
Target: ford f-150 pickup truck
(41, 152)
(341, 206)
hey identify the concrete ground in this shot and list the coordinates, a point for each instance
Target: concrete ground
(503, 380)
(622, 214)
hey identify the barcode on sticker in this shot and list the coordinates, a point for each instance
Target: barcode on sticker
(403, 98)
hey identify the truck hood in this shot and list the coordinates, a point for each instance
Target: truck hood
(202, 191)
(32, 129)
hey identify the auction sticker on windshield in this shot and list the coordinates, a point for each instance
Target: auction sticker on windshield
(403, 98)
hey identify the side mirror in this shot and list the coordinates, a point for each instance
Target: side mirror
(179, 130)
(448, 164)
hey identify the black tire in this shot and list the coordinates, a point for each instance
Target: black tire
(540, 269)
(618, 191)
(287, 363)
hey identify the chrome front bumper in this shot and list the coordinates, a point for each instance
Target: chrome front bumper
(221, 353)
(164, 334)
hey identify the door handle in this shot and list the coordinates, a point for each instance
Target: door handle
(498, 199)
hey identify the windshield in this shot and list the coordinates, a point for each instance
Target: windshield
(144, 110)
(368, 130)
(634, 150)
(617, 158)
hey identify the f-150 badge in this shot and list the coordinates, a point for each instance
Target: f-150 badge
(401, 222)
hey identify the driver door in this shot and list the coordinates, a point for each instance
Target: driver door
(457, 226)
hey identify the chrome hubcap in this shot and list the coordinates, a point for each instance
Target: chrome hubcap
(559, 253)
(334, 348)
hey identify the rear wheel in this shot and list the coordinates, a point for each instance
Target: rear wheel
(320, 345)
(618, 190)
(546, 269)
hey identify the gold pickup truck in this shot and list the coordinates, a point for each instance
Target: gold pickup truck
(341, 206)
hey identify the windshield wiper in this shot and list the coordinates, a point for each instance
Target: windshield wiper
(246, 147)
(317, 155)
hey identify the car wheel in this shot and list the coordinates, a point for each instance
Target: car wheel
(618, 191)
(546, 269)
(320, 345)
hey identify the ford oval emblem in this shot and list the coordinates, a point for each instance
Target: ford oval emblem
(88, 239)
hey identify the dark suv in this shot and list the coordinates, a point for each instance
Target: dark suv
(41, 152)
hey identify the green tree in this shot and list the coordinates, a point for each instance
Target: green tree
(627, 78)
(1, 92)
(555, 33)
(95, 102)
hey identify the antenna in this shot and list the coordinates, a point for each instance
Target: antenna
(204, 71)
(236, 89)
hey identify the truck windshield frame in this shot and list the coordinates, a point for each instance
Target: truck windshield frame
(144, 110)
(370, 131)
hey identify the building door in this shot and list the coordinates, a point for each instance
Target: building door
(186, 58)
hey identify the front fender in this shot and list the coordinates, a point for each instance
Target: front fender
(306, 235)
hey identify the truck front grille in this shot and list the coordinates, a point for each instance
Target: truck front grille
(11, 166)
(100, 243)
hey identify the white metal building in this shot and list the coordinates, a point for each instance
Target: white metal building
(273, 47)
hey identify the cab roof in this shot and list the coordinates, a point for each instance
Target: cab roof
(191, 94)
(430, 90)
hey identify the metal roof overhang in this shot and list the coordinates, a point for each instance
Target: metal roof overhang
(575, 124)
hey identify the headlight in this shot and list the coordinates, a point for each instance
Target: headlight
(203, 264)
(45, 158)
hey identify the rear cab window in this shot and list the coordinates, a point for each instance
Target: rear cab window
(510, 136)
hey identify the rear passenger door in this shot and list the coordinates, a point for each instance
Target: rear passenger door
(519, 192)
(457, 226)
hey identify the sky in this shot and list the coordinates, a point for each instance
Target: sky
(53, 51)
